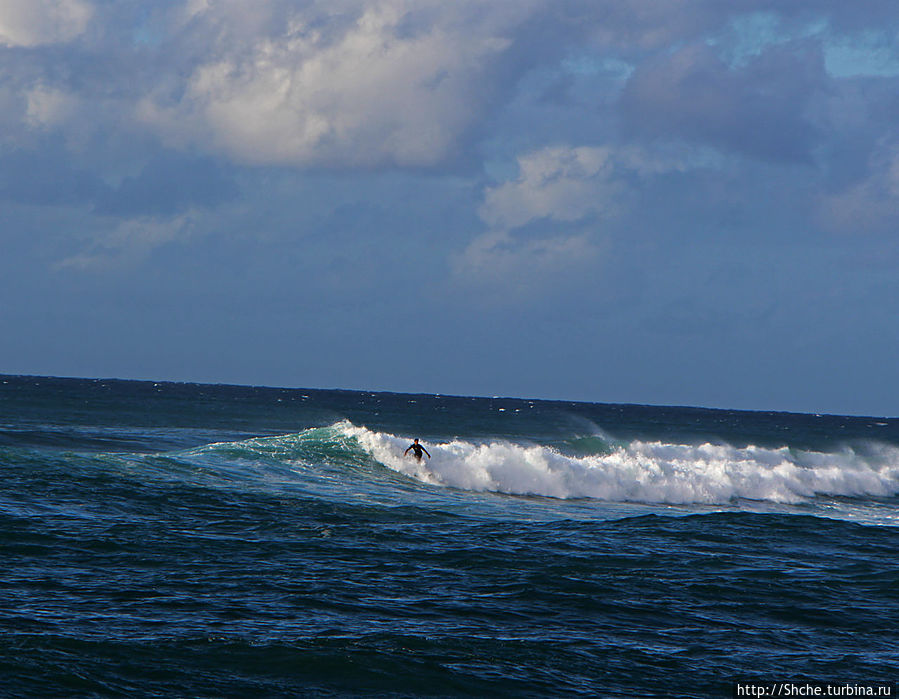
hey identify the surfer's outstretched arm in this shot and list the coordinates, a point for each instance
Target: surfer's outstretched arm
(426, 452)
(407, 451)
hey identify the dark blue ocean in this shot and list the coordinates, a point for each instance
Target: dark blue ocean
(181, 540)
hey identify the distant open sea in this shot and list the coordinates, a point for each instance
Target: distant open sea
(183, 540)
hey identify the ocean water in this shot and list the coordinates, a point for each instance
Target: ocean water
(163, 539)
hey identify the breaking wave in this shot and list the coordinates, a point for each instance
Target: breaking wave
(642, 471)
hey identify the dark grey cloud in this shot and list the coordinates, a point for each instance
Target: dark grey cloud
(870, 16)
(759, 110)
(169, 184)
(46, 178)
(858, 114)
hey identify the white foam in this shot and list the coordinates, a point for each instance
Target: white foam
(648, 472)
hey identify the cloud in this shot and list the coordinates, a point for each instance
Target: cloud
(402, 84)
(559, 182)
(506, 268)
(870, 205)
(637, 26)
(385, 83)
(168, 184)
(399, 83)
(46, 179)
(571, 183)
(129, 241)
(758, 109)
(48, 107)
(30, 23)
(548, 223)
(12, 115)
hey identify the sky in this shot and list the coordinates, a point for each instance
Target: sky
(690, 202)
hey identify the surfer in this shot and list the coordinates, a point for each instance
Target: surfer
(418, 449)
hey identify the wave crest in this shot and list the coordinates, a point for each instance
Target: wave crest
(647, 472)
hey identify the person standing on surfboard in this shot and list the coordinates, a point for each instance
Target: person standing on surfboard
(418, 449)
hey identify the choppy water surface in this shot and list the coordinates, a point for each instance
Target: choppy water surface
(186, 540)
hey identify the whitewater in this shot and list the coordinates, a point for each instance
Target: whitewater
(647, 472)
(854, 483)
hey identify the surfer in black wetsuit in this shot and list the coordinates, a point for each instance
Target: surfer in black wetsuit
(418, 449)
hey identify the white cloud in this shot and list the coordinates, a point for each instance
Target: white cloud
(378, 86)
(36, 22)
(48, 107)
(514, 268)
(563, 194)
(130, 240)
(192, 8)
(565, 183)
(559, 182)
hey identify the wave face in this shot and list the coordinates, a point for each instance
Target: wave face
(646, 472)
